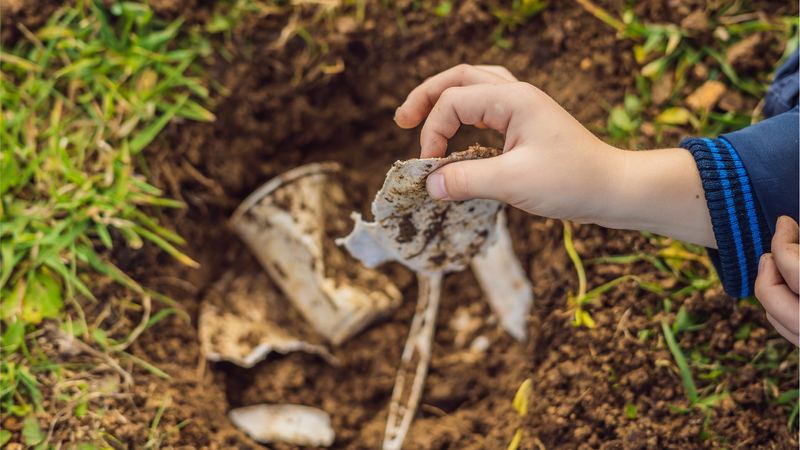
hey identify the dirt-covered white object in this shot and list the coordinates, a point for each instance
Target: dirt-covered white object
(431, 237)
(238, 322)
(293, 424)
(504, 282)
(283, 223)
(413, 228)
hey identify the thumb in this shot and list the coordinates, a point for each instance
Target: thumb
(465, 180)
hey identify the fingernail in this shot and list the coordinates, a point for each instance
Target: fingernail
(436, 186)
(761, 263)
(395, 114)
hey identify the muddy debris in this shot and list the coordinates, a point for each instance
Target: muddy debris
(283, 224)
(433, 237)
(422, 233)
(240, 322)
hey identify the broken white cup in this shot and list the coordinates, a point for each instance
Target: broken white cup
(239, 317)
(432, 237)
(283, 223)
(424, 234)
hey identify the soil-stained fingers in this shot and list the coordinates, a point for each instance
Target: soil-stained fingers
(785, 250)
(494, 105)
(421, 100)
(776, 297)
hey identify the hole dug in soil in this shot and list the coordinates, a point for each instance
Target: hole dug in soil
(582, 379)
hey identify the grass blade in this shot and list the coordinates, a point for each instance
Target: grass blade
(167, 247)
(576, 259)
(680, 360)
(147, 135)
(149, 367)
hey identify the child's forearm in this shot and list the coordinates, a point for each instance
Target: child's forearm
(659, 191)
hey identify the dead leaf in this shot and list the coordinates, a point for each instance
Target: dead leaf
(697, 20)
(706, 96)
(731, 101)
(662, 88)
(743, 50)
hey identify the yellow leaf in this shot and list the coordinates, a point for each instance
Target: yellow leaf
(654, 67)
(587, 320)
(674, 116)
(639, 54)
(522, 396)
(514, 445)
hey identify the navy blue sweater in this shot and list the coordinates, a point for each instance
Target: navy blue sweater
(750, 178)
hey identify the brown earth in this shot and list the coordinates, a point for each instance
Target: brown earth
(285, 110)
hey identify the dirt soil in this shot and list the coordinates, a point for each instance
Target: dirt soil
(284, 111)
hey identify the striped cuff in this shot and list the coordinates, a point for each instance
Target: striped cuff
(739, 226)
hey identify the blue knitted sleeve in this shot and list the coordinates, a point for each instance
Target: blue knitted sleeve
(739, 224)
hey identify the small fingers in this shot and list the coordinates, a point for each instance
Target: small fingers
(791, 337)
(785, 251)
(493, 105)
(421, 100)
(775, 295)
(465, 180)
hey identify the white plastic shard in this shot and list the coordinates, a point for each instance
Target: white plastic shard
(407, 394)
(283, 223)
(503, 280)
(431, 237)
(239, 317)
(292, 424)
(413, 228)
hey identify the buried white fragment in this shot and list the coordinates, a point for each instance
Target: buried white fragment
(431, 237)
(413, 228)
(504, 282)
(239, 318)
(293, 424)
(284, 224)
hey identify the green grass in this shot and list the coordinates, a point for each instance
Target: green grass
(511, 17)
(684, 269)
(686, 266)
(667, 50)
(81, 99)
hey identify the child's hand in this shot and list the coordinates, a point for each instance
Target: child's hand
(778, 279)
(552, 166)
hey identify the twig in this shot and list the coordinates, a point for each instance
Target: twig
(147, 303)
(84, 347)
(419, 342)
(202, 179)
(756, 114)
(177, 282)
(622, 325)
(458, 423)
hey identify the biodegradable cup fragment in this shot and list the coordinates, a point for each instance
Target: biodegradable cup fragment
(283, 223)
(504, 282)
(293, 424)
(239, 322)
(432, 237)
(413, 228)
